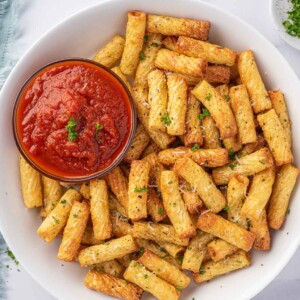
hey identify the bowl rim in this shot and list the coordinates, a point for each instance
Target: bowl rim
(75, 179)
(293, 245)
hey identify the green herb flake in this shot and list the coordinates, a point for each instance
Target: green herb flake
(63, 201)
(231, 154)
(208, 96)
(141, 252)
(206, 162)
(170, 182)
(227, 98)
(292, 24)
(98, 127)
(75, 216)
(155, 44)
(146, 37)
(160, 211)
(180, 259)
(196, 146)
(239, 261)
(233, 165)
(141, 190)
(263, 161)
(12, 257)
(226, 208)
(145, 276)
(72, 134)
(166, 119)
(288, 211)
(56, 220)
(142, 56)
(179, 288)
(202, 271)
(205, 113)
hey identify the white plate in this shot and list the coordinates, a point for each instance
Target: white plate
(278, 12)
(81, 35)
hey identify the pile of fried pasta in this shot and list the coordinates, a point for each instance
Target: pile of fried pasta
(208, 173)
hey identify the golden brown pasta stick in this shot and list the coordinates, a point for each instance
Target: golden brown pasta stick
(193, 132)
(251, 78)
(158, 232)
(259, 194)
(217, 74)
(231, 144)
(151, 47)
(177, 105)
(282, 190)
(149, 282)
(212, 53)
(155, 169)
(178, 26)
(276, 137)
(169, 156)
(135, 31)
(164, 270)
(74, 231)
(158, 99)
(261, 230)
(111, 52)
(250, 148)
(88, 237)
(247, 165)
(218, 108)
(52, 192)
(139, 143)
(236, 194)
(151, 148)
(241, 107)
(119, 185)
(211, 135)
(195, 252)
(155, 206)
(212, 269)
(179, 63)
(200, 180)
(219, 249)
(174, 250)
(117, 70)
(112, 249)
(138, 189)
(228, 231)
(111, 267)
(114, 204)
(120, 224)
(100, 209)
(279, 105)
(31, 185)
(174, 205)
(58, 217)
(158, 250)
(190, 197)
(85, 190)
(112, 286)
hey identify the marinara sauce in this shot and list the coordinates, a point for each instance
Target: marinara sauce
(74, 118)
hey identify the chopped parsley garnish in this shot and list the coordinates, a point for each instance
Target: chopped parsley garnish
(205, 113)
(226, 208)
(202, 271)
(146, 37)
(292, 24)
(75, 216)
(141, 190)
(180, 259)
(72, 134)
(231, 154)
(179, 288)
(226, 97)
(288, 211)
(141, 252)
(239, 261)
(98, 127)
(11, 256)
(160, 211)
(206, 162)
(146, 276)
(233, 165)
(166, 119)
(263, 161)
(56, 220)
(208, 96)
(63, 201)
(196, 146)
(142, 56)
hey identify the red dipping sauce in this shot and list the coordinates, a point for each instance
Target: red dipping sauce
(73, 118)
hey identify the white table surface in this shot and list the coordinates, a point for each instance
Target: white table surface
(37, 16)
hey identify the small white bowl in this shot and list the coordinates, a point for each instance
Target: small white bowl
(279, 12)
